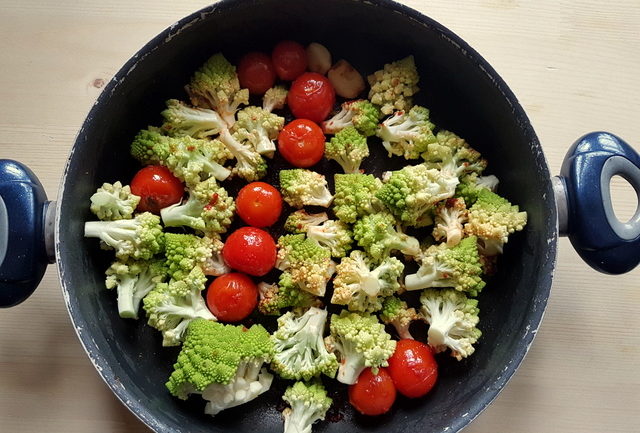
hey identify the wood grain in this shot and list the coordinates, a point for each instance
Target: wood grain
(573, 65)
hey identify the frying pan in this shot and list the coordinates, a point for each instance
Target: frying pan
(465, 95)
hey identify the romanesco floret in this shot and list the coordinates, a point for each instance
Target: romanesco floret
(334, 235)
(393, 86)
(300, 221)
(138, 238)
(222, 363)
(209, 209)
(274, 98)
(260, 127)
(114, 202)
(471, 184)
(300, 352)
(361, 285)
(309, 403)
(348, 148)
(443, 266)
(396, 312)
(356, 196)
(180, 119)
(492, 219)
(186, 251)
(361, 342)
(301, 187)
(150, 147)
(285, 294)
(361, 114)
(412, 192)
(450, 215)
(407, 133)
(215, 265)
(453, 157)
(250, 165)
(452, 319)
(379, 236)
(193, 160)
(215, 85)
(134, 279)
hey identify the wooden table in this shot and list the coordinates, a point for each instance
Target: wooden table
(574, 66)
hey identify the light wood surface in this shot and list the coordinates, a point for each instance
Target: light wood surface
(573, 65)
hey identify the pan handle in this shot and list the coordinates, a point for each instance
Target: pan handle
(26, 232)
(585, 211)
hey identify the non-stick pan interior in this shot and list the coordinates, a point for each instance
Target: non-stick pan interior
(464, 95)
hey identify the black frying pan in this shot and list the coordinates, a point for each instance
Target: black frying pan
(465, 95)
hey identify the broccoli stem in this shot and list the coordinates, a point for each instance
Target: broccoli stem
(350, 368)
(126, 307)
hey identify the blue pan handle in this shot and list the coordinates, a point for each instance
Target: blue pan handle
(585, 211)
(26, 232)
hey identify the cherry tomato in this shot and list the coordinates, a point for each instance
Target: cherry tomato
(301, 143)
(157, 188)
(256, 72)
(413, 368)
(250, 250)
(259, 204)
(311, 97)
(232, 297)
(289, 60)
(372, 394)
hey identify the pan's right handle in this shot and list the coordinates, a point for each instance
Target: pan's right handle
(26, 232)
(585, 211)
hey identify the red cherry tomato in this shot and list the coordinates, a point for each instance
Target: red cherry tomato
(311, 97)
(259, 204)
(413, 368)
(289, 60)
(372, 394)
(232, 297)
(256, 72)
(157, 188)
(301, 143)
(250, 250)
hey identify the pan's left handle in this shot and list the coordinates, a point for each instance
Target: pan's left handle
(26, 232)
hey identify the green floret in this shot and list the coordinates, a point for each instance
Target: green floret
(361, 342)
(138, 238)
(450, 215)
(453, 157)
(333, 235)
(215, 85)
(209, 209)
(180, 120)
(452, 319)
(492, 219)
(300, 352)
(361, 114)
(274, 98)
(356, 196)
(285, 294)
(301, 187)
(470, 185)
(133, 279)
(250, 165)
(114, 202)
(407, 133)
(348, 148)
(394, 85)
(361, 285)
(442, 266)
(150, 147)
(222, 363)
(215, 265)
(411, 194)
(300, 221)
(309, 403)
(194, 160)
(379, 236)
(396, 312)
(185, 252)
(260, 127)
(309, 264)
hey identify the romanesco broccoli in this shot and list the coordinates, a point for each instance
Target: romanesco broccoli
(260, 127)
(300, 221)
(471, 184)
(309, 403)
(274, 98)
(250, 165)
(356, 196)
(394, 85)
(360, 113)
(194, 160)
(301, 187)
(407, 133)
(379, 236)
(114, 202)
(180, 119)
(395, 312)
(285, 294)
(348, 148)
(450, 215)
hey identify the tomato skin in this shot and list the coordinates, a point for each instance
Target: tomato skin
(311, 96)
(373, 394)
(259, 204)
(289, 60)
(250, 250)
(157, 188)
(256, 72)
(301, 143)
(413, 368)
(232, 297)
